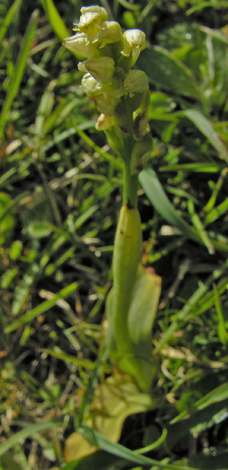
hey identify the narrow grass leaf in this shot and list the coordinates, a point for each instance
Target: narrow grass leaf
(207, 129)
(42, 307)
(216, 212)
(189, 306)
(222, 330)
(161, 203)
(202, 5)
(214, 33)
(19, 70)
(24, 433)
(123, 452)
(197, 421)
(200, 228)
(71, 359)
(88, 141)
(56, 21)
(9, 17)
(23, 288)
(205, 167)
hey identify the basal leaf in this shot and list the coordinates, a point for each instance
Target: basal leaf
(115, 399)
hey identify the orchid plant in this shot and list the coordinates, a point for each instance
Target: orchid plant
(121, 95)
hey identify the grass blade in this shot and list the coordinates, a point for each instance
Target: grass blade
(204, 126)
(161, 203)
(7, 20)
(46, 305)
(19, 70)
(23, 434)
(189, 306)
(56, 21)
(117, 449)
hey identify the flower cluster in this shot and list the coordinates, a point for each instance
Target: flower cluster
(110, 55)
(109, 80)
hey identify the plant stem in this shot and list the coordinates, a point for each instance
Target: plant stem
(130, 186)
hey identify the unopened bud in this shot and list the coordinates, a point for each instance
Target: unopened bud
(110, 32)
(80, 45)
(101, 69)
(134, 41)
(91, 86)
(95, 9)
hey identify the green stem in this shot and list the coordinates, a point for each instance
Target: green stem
(130, 186)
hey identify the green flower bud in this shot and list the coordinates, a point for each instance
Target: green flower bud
(134, 41)
(95, 9)
(110, 32)
(140, 154)
(136, 82)
(101, 69)
(80, 45)
(91, 86)
(90, 22)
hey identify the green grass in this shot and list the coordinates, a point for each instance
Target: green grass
(60, 193)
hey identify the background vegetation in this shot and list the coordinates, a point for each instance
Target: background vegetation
(59, 200)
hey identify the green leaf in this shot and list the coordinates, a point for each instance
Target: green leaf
(9, 17)
(55, 20)
(19, 70)
(161, 203)
(23, 288)
(115, 399)
(79, 361)
(166, 71)
(204, 126)
(117, 449)
(24, 433)
(29, 316)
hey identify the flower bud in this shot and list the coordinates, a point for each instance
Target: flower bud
(134, 41)
(95, 9)
(110, 32)
(80, 45)
(101, 69)
(91, 86)
(136, 82)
